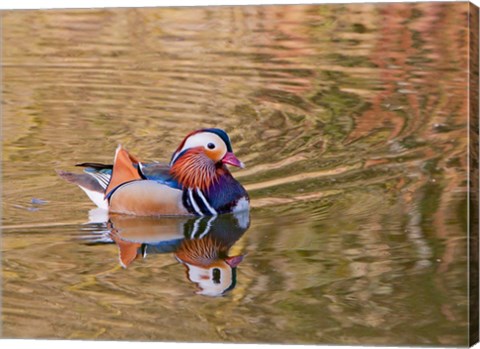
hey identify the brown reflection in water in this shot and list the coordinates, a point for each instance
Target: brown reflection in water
(440, 116)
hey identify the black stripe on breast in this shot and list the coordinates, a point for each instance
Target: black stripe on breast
(186, 202)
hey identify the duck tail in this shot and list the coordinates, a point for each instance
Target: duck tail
(95, 165)
(89, 184)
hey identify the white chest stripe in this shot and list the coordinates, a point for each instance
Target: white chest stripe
(210, 208)
(194, 204)
(196, 225)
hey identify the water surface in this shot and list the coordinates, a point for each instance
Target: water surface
(351, 120)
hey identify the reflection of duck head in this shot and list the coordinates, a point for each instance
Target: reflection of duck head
(208, 264)
(201, 244)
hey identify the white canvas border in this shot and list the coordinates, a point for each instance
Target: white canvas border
(59, 4)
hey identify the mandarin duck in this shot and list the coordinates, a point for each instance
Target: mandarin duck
(201, 244)
(195, 182)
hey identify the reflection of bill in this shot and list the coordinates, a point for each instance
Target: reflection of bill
(201, 244)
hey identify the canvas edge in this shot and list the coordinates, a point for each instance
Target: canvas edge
(473, 160)
(473, 193)
(1, 171)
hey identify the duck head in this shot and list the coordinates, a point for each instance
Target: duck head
(201, 157)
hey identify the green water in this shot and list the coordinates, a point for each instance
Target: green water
(351, 120)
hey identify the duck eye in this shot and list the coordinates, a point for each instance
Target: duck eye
(216, 276)
(211, 146)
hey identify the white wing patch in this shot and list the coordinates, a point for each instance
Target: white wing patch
(97, 198)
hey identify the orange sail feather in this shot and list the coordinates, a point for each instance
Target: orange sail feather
(123, 170)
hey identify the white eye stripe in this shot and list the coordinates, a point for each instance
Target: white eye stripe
(202, 139)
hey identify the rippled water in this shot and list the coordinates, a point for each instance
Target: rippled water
(351, 120)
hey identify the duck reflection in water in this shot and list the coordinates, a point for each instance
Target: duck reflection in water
(201, 244)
